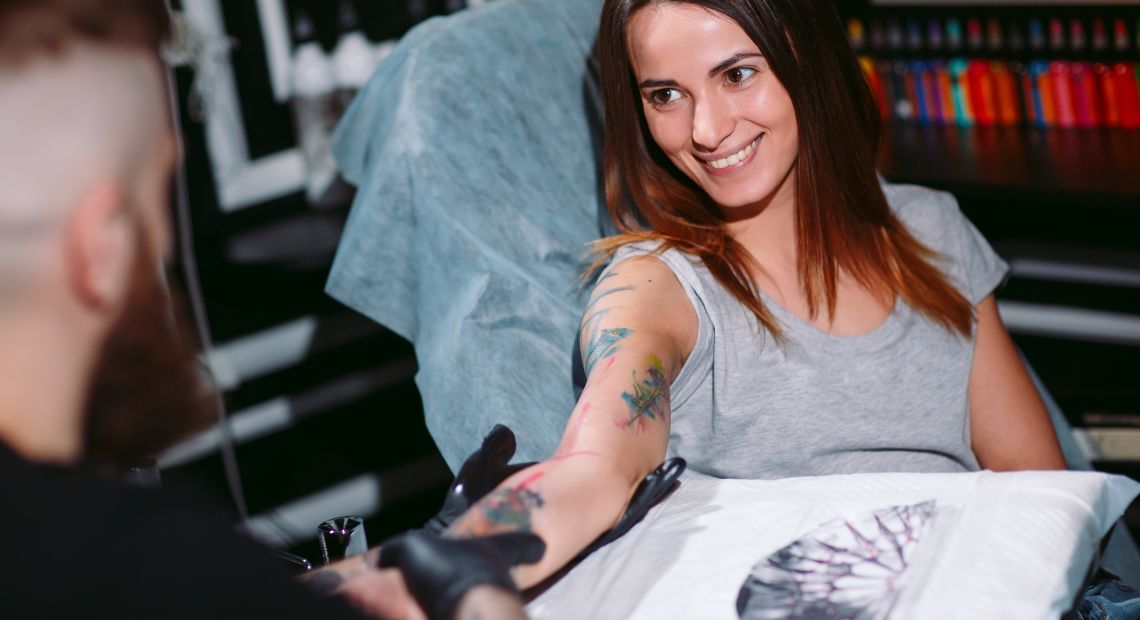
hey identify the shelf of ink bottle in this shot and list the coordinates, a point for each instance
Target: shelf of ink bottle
(1044, 67)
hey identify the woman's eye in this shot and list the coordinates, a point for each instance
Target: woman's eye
(739, 74)
(664, 96)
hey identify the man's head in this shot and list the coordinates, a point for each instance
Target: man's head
(86, 153)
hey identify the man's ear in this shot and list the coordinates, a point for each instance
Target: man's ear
(99, 247)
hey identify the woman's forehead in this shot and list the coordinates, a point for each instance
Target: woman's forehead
(669, 38)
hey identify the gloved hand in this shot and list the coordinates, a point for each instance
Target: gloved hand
(653, 488)
(439, 571)
(487, 468)
(484, 470)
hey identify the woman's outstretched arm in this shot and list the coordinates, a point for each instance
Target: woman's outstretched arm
(1009, 425)
(636, 333)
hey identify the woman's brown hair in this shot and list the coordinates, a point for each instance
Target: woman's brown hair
(842, 217)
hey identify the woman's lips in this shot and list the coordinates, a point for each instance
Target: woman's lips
(736, 161)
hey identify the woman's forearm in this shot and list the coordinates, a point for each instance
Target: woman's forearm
(568, 501)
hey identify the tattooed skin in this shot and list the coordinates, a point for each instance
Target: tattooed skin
(648, 400)
(325, 581)
(601, 343)
(505, 510)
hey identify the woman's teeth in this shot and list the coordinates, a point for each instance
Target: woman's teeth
(735, 158)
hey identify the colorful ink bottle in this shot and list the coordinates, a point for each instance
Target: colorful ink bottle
(940, 76)
(1027, 89)
(1127, 94)
(981, 92)
(960, 91)
(1042, 93)
(924, 103)
(953, 34)
(913, 35)
(855, 34)
(1119, 36)
(1061, 80)
(974, 34)
(995, 39)
(1085, 102)
(1077, 40)
(1099, 37)
(1005, 90)
(934, 39)
(1110, 103)
(1036, 36)
(1056, 35)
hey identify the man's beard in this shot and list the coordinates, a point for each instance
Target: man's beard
(148, 390)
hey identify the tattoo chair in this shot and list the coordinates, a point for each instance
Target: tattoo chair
(475, 151)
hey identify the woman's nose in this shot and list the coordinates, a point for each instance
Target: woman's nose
(712, 123)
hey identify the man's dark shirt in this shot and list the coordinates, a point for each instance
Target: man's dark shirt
(78, 546)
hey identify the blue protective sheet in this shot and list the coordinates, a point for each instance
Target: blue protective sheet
(477, 195)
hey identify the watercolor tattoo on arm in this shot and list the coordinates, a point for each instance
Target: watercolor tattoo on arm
(507, 509)
(649, 400)
(598, 343)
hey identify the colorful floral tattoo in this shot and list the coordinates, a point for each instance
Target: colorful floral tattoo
(649, 399)
(601, 343)
(504, 510)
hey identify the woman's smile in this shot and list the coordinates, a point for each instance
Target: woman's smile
(732, 163)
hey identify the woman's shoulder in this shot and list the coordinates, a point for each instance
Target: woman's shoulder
(919, 206)
(656, 255)
(931, 215)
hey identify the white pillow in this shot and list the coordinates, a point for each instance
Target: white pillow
(1009, 545)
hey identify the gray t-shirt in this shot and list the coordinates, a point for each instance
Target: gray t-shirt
(892, 399)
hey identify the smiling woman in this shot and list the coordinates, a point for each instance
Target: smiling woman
(770, 310)
(757, 113)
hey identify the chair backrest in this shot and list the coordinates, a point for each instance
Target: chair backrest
(472, 152)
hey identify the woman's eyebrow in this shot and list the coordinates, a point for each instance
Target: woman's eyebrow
(732, 60)
(725, 64)
(657, 83)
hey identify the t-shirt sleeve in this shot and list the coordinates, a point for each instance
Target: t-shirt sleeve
(985, 271)
(980, 268)
(964, 255)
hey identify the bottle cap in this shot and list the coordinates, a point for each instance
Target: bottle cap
(347, 19)
(304, 31)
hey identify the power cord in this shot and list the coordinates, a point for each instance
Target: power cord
(196, 299)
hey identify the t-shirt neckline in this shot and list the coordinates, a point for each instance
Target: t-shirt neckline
(802, 329)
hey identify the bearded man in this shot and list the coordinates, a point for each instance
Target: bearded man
(97, 373)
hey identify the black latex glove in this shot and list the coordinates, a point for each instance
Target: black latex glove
(653, 488)
(439, 571)
(484, 470)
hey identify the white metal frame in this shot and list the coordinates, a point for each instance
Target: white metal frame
(240, 181)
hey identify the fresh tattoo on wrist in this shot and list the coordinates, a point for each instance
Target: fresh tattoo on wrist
(649, 400)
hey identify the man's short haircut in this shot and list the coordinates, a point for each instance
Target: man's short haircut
(35, 30)
(30, 29)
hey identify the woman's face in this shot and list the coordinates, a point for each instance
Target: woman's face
(712, 104)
